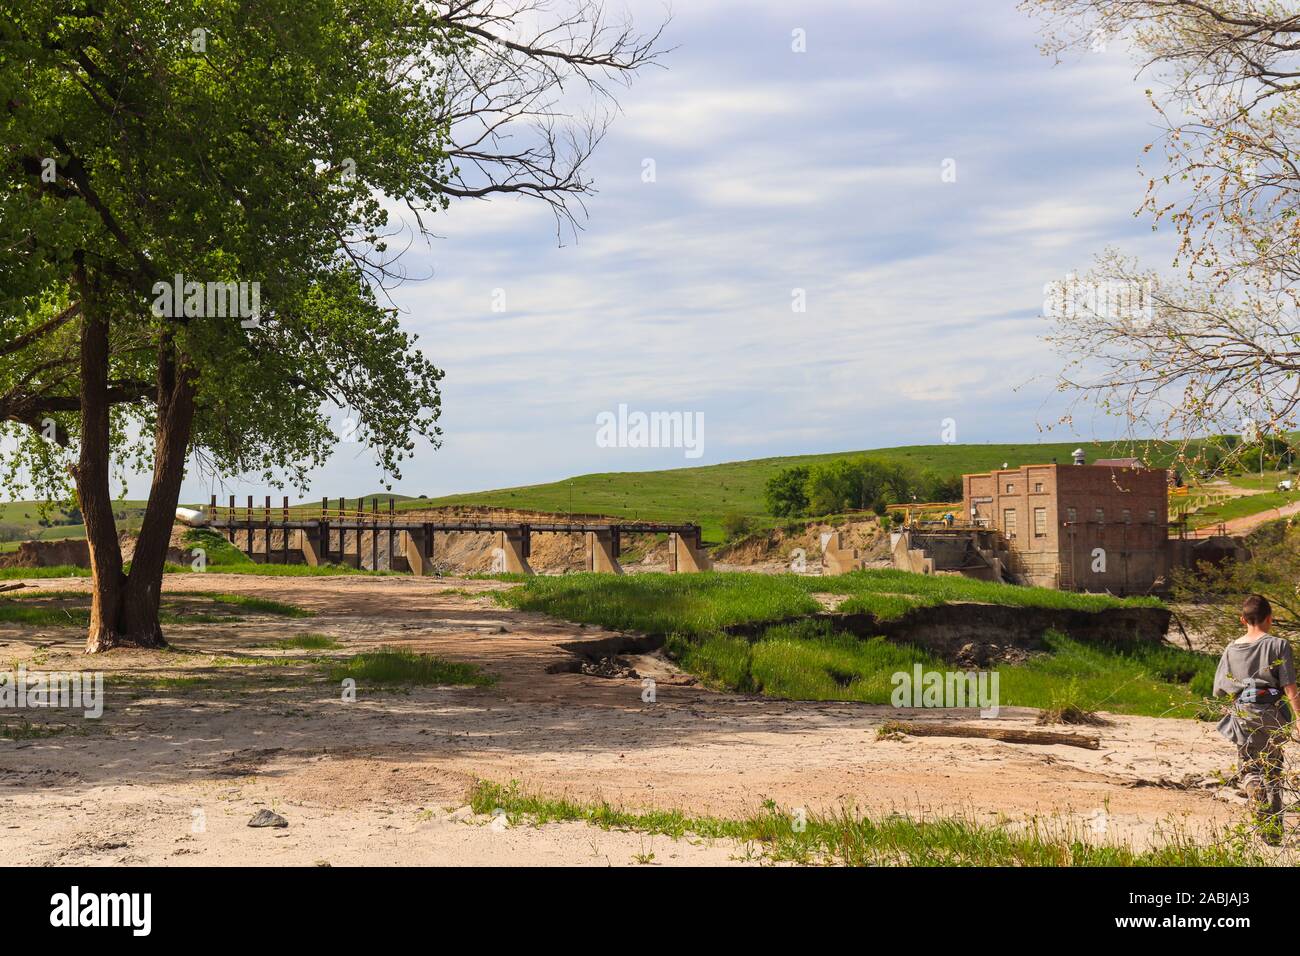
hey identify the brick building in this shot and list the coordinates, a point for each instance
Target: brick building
(1100, 527)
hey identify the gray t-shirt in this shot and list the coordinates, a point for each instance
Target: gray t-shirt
(1250, 671)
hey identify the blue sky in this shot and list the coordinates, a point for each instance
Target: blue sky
(776, 171)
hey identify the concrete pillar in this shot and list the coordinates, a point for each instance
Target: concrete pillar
(600, 553)
(309, 552)
(413, 548)
(686, 556)
(514, 544)
(837, 559)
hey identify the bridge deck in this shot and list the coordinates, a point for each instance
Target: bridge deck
(384, 522)
(345, 535)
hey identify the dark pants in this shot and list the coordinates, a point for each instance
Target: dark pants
(1261, 776)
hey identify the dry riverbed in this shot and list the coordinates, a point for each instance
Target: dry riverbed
(194, 742)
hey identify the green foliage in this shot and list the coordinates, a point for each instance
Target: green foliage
(786, 492)
(932, 486)
(854, 483)
(842, 485)
(263, 156)
(1209, 596)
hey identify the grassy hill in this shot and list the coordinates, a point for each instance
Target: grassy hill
(704, 494)
(707, 493)
(21, 520)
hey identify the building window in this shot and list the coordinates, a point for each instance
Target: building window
(1071, 515)
(1011, 489)
(1038, 487)
(1151, 515)
(1009, 522)
(1101, 516)
(1040, 522)
(1128, 516)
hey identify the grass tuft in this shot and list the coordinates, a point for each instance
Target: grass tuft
(255, 605)
(308, 642)
(846, 838)
(388, 666)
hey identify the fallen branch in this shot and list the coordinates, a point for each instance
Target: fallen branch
(11, 587)
(1044, 738)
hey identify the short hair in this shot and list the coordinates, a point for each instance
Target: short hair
(1256, 610)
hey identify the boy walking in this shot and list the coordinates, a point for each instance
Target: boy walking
(1258, 671)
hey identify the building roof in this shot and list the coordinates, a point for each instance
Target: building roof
(1119, 463)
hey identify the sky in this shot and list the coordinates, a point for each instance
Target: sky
(920, 171)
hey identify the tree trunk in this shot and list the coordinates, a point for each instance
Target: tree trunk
(91, 473)
(124, 608)
(139, 614)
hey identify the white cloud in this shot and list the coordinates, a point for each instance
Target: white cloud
(775, 171)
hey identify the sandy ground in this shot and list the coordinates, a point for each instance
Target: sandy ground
(1248, 523)
(172, 775)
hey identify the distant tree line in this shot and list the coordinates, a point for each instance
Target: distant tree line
(1228, 454)
(849, 484)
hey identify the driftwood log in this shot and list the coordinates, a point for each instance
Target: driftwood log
(1005, 734)
(11, 587)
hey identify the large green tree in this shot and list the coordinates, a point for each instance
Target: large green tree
(195, 204)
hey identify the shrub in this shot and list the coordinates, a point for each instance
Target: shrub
(736, 526)
(786, 494)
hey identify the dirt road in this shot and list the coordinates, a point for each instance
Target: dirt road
(194, 741)
(1248, 523)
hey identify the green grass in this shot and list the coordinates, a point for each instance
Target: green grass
(1241, 507)
(26, 515)
(255, 605)
(16, 608)
(693, 604)
(808, 661)
(43, 616)
(847, 838)
(698, 604)
(888, 593)
(58, 571)
(388, 666)
(218, 551)
(308, 642)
